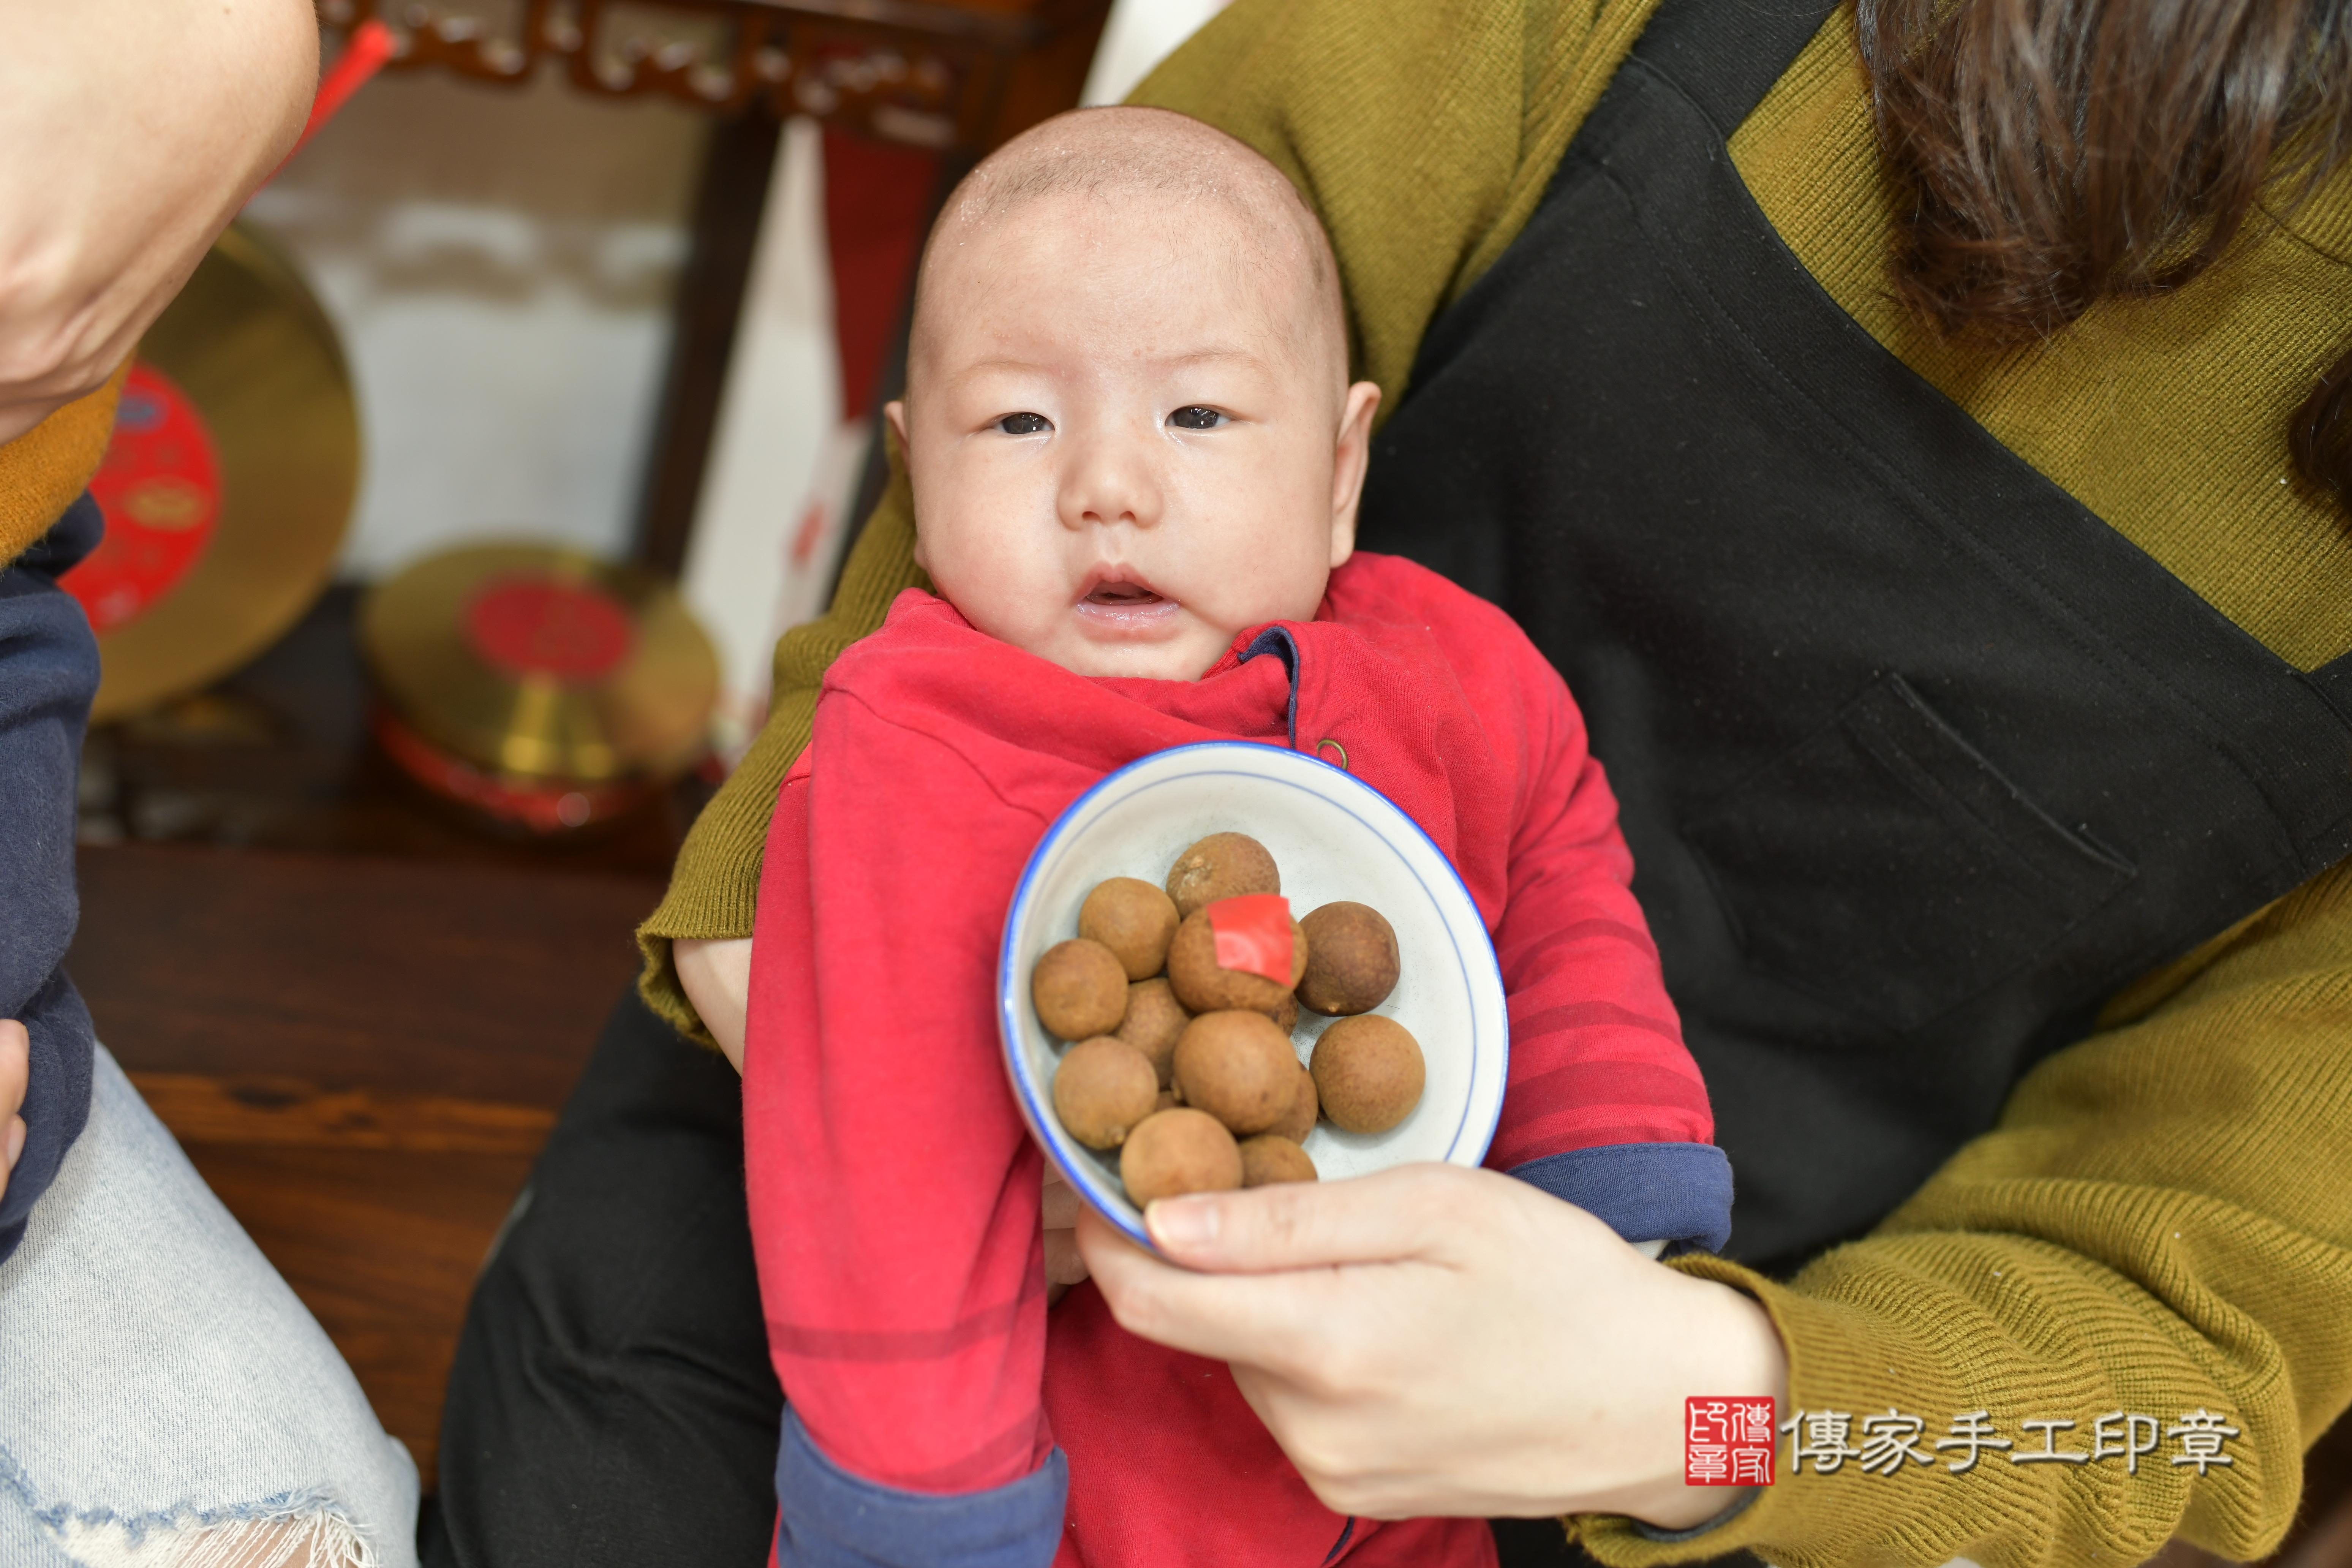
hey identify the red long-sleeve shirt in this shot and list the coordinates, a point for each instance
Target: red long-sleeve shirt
(894, 1192)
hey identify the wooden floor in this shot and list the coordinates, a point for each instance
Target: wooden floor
(362, 1055)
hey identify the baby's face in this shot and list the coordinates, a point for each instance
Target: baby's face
(1130, 440)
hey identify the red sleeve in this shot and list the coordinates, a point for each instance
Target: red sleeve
(894, 1191)
(1597, 1054)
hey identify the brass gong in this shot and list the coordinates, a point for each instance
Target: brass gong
(251, 351)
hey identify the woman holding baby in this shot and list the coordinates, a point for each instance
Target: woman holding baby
(1921, 436)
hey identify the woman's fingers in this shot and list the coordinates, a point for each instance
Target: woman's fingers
(1276, 1321)
(1061, 1201)
(1399, 1213)
(16, 1060)
(1205, 1314)
(1259, 1279)
(1064, 1265)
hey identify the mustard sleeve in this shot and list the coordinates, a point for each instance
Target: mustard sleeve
(2160, 1227)
(714, 886)
(1423, 132)
(45, 468)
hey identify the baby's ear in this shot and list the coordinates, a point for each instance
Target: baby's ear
(1349, 457)
(894, 413)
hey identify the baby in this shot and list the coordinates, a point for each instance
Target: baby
(1135, 457)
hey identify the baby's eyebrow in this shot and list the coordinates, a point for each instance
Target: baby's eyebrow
(1215, 356)
(982, 367)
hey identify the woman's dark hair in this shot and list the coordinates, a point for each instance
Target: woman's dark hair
(2053, 152)
(2320, 436)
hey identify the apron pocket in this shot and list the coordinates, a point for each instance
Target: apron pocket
(1884, 865)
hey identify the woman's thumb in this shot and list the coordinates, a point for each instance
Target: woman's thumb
(1396, 1214)
(16, 1060)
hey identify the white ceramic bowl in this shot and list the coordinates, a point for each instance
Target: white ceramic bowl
(1333, 837)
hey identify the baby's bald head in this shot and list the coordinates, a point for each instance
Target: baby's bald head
(1099, 166)
(1128, 421)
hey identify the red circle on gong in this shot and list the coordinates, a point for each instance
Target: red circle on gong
(160, 490)
(525, 626)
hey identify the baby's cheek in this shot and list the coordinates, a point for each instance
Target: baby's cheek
(1006, 593)
(1280, 584)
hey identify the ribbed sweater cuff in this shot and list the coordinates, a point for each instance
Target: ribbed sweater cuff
(1840, 1357)
(714, 888)
(828, 1518)
(45, 468)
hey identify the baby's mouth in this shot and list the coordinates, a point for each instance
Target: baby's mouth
(1125, 604)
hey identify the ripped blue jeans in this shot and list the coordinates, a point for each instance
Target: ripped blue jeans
(165, 1402)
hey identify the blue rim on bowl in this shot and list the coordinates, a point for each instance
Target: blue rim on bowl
(1468, 997)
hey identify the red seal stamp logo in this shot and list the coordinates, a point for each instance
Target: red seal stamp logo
(1727, 1442)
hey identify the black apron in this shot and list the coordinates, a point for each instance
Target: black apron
(1919, 760)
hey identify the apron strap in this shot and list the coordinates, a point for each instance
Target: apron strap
(2333, 681)
(1726, 55)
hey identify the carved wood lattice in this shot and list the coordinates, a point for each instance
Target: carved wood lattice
(925, 75)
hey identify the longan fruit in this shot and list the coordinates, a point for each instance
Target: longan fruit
(1239, 1068)
(1133, 919)
(1080, 988)
(1368, 1073)
(1166, 1100)
(1204, 988)
(1269, 1158)
(1176, 1152)
(1285, 1017)
(1299, 1119)
(1351, 959)
(1154, 1019)
(1103, 1091)
(1221, 866)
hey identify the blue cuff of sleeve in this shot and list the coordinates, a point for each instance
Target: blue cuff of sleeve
(1677, 1193)
(831, 1518)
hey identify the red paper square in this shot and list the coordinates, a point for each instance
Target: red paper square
(1253, 935)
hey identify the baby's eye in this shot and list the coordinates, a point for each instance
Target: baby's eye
(1196, 418)
(1024, 424)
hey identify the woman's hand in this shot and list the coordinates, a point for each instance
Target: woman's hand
(1437, 1341)
(15, 1066)
(130, 131)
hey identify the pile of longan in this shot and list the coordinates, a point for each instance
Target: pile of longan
(1186, 1068)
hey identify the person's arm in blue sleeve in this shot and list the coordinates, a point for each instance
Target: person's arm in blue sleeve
(48, 673)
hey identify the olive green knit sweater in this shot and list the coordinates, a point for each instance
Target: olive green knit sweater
(2162, 1222)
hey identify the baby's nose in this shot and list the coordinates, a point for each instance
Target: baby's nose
(1112, 481)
